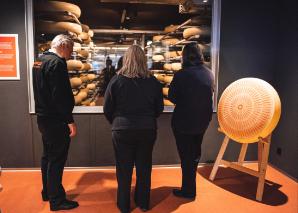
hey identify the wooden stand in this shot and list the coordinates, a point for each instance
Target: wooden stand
(263, 154)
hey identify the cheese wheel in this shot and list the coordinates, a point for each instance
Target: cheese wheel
(84, 78)
(168, 79)
(91, 76)
(85, 90)
(86, 66)
(91, 86)
(170, 28)
(87, 41)
(92, 103)
(83, 36)
(176, 66)
(91, 33)
(85, 28)
(171, 54)
(170, 41)
(157, 37)
(167, 66)
(165, 91)
(82, 94)
(83, 53)
(160, 77)
(57, 6)
(78, 99)
(77, 46)
(86, 102)
(192, 31)
(57, 27)
(157, 57)
(75, 82)
(167, 102)
(74, 65)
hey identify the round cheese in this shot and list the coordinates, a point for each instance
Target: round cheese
(167, 66)
(169, 41)
(248, 109)
(75, 82)
(176, 66)
(57, 6)
(157, 57)
(165, 91)
(167, 102)
(91, 77)
(74, 65)
(170, 28)
(91, 86)
(168, 79)
(57, 27)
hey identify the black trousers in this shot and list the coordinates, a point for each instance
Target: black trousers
(133, 147)
(56, 140)
(189, 149)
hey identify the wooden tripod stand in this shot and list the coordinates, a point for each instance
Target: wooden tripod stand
(263, 154)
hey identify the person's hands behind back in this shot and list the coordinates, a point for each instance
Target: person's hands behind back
(72, 129)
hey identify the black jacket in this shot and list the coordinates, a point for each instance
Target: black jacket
(52, 91)
(133, 103)
(191, 90)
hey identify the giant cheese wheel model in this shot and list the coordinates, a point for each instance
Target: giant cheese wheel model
(165, 91)
(157, 57)
(176, 66)
(75, 82)
(168, 79)
(74, 65)
(248, 109)
(57, 6)
(57, 27)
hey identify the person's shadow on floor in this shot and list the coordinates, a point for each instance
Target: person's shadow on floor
(245, 185)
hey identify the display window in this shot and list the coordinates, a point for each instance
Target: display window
(103, 30)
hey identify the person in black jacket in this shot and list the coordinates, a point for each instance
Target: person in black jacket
(191, 90)
(133, 101)
(54, 103)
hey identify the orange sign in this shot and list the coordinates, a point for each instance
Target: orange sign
(9, 57)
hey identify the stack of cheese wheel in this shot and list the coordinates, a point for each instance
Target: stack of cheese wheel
(194, 31)
(248, 109)
(74, 65)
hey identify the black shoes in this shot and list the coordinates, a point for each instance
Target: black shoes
(180, 193)
(64, 205)
(44, 196)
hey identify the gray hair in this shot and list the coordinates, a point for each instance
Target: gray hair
(61, 40)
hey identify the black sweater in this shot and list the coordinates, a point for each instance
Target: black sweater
(52, 91)
(191, 90)
(133, 103)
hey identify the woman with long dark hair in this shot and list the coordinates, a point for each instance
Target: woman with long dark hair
(133, 101)
(191, 91)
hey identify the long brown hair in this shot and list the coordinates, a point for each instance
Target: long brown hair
(134, 63)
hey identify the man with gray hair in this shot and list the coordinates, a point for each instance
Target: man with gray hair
(54, 103)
